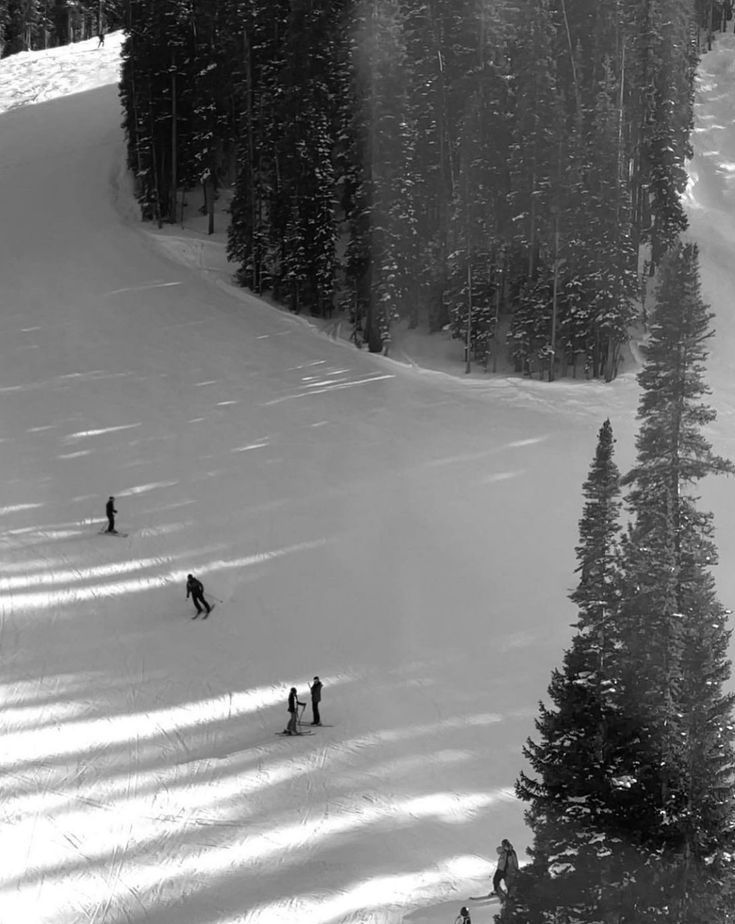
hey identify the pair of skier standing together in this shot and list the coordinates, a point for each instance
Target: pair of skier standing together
(293, 707)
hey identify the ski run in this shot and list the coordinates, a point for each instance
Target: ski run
(353, 516)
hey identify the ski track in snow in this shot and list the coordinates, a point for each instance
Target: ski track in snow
(405, 534)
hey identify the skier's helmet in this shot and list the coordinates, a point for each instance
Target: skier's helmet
(464, 910)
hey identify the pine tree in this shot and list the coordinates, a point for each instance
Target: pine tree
(383, 135)
(672, 616)
(538, 127)
(259, 213)
(307, 111)
(659, 106)
(480, 219)
(609, 269)
(570, 810)
(643, 830)
(676, 632)
(4, 21)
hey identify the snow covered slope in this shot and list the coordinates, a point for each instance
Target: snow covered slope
(407, 538)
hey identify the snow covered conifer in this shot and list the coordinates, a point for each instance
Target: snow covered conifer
(642, 829)
(675, 635)
(570, 811)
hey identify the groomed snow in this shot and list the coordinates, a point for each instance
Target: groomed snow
(406, 537)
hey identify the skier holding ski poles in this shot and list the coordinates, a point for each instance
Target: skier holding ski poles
(293, 708)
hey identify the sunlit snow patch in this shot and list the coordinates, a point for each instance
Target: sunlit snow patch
(31, 77)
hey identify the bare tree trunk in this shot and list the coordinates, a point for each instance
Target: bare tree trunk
(174, 141)
(554, 298)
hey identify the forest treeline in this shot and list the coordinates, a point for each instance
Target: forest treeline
(495, 166)
(29, 25)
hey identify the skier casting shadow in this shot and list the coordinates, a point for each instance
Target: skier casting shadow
(195, 589)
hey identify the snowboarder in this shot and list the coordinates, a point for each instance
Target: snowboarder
(110, 512)
(293, 708)
(506, 869)
(316, 698)
(196, 589)
(464, 916)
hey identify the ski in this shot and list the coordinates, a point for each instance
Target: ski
(319, 725)
(210, 610)
(284, 734)
(115, 532)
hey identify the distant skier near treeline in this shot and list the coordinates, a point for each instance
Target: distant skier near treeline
(506, 869)
(195, 589)
(316, 698)
(110, 513)
(293, 709)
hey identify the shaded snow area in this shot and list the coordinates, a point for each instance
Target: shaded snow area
(406, 536)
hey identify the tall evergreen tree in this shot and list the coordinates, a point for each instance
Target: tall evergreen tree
(676, 631)
(383, 133)
(655, 842)
(571, 810)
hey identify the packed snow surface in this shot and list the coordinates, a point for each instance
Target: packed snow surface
(405, 536)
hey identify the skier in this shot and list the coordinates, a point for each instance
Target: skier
(316, 698)
(464, 916)
(101, 39)
(506, 869)
(110, 512)
(293, 708)
(196, 589)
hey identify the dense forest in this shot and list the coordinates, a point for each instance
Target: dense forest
(28, 25)
(497, 166)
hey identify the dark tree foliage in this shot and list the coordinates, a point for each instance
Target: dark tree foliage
(643, 828)
(181, 99)
(572, 796)
(493, 166)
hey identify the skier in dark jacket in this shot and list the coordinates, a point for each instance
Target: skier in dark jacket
(196, 589)
(293, 708)
(110, 512)
(316, 698)
(506, 869)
